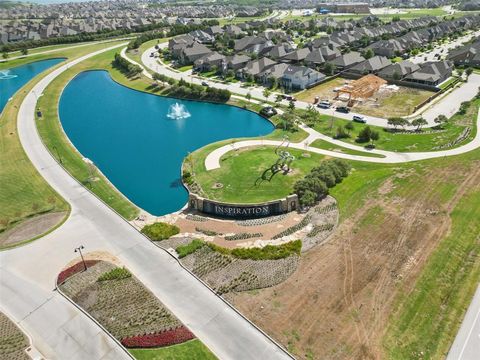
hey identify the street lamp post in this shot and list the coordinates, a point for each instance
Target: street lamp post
(79, 250)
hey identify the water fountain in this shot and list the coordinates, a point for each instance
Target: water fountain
(178, 111)
(5, 75)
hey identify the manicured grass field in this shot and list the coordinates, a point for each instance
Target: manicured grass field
(321, 144)
(241, 174)
(190, 350)
(407, 142)
(136, 54)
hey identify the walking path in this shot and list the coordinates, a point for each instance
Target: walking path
(58, 329)
(212, 161)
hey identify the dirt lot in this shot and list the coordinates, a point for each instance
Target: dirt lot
(383, 104)
(336, 305)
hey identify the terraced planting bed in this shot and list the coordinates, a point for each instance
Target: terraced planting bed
(125, 307)
(13, 341)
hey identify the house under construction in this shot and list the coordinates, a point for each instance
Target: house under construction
(363, 88)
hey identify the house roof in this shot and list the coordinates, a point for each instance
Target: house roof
(348, 59)
(373, 64)
(297, 55)
(431, 71)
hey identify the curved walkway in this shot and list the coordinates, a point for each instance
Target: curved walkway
(61, 331)
(212, 161)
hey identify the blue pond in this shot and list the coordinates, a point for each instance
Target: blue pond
(13, 79)
(130, 138)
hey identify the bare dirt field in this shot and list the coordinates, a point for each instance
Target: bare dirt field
(338, 302)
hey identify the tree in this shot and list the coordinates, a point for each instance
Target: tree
(419, 123)
(291, 106)
(287, 120)
(396, 75)
(368, 54)
(468, 71)
(397, 121)
(248, 96)
(24, 51)
(341, 133)
(266, 93)
(374, 136)
(328, 68)
(364, 135)
(459, 72)
(440, 120)
(349, 127)
(308, 198)
(278, 99)
(5, 55)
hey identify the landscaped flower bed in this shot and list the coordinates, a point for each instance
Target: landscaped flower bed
(164, 338)
(72, 270)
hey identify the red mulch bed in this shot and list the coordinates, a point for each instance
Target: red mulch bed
(72, 270)
(164, 338)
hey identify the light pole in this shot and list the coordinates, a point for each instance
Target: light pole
(79, 250)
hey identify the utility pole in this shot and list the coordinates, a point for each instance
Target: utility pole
(79, 250)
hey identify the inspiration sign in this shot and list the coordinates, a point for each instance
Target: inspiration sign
(232, 211)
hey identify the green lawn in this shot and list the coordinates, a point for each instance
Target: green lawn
(190, 350)
(241, 174)
(325, 145)
(136, 55)
(407, 142)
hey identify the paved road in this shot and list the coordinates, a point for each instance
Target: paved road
(448, 105)
(467, 342)
(58, 329)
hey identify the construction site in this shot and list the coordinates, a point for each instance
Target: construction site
(370, 95)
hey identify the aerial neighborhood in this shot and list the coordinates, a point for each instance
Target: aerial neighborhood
(239, 179)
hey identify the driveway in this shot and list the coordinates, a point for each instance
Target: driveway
(58, 329)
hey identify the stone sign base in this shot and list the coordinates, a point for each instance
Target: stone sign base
(241, 211)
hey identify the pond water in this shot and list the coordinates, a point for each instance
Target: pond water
(139, 140)
(14, 78)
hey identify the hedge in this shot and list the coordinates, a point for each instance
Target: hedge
(115, 274)
(160, 231)
(184, 250)
(269, 252)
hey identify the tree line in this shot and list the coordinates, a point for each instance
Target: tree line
(315, 185)
(126, 66)
(185, 90)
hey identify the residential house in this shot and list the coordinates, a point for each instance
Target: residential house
(398, 70)
(468, 55)
(431, 73)
(209, 61)
(296, 56)
(389, 48)
(233, 31)
(329, 53)
(278, 51)
(370, 66)
(314, 58)
(347, 60)
(300, 77)
(255, 67)
(236, 62)
(273, 72)
(202, 37)
(188, 54)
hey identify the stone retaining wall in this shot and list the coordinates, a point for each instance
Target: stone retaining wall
(243, 211)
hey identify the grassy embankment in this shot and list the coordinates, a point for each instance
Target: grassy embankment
(408, 142)
(24, 194)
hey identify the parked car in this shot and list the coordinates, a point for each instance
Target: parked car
(360, 119)
(152, 54)
(342, 109)
(204, 83)
(289, 98)
(268, 111)
(324, 105)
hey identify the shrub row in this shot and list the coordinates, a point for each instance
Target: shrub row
(186, 90)
(197, 218)
(315, 185)
(115, 274)
(243, 236)
(160, 231)
(125, 66)
(293, 229)
(72, 270)
(164, 338)
(206, 232)
(184, 250)
(317, 229)
(269, 252)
